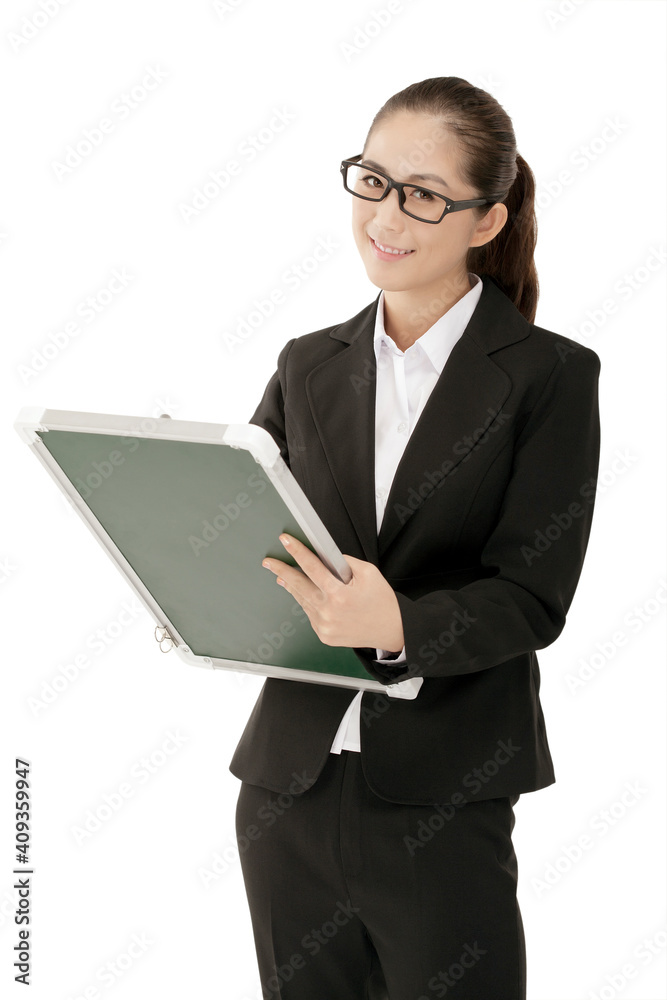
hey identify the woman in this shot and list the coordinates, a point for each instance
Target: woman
(451, 448)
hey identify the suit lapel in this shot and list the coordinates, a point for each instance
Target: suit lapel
(341, 394)
(468, 395)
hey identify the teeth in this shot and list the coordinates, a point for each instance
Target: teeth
(389, 250)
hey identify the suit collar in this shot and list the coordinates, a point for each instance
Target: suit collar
(495, 323)
(469, 393)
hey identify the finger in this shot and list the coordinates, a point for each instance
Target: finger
(302, 590)
(275, 565)
(295, 581)
(311, 565)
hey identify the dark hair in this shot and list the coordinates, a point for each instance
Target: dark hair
(491, 165)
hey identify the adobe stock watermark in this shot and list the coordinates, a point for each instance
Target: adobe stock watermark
(459, 624)
(99, 472)
(427, 313)
(267, 815)
(212, 528)
(364, 34)
(88, 309)
(312, 943)
(33, 24)
(561, 521)
(440, 984)
(265, 652)
(562, 12)
(624, 289)
(271, 641)
(600, 824)
(634, 621)
(474, 781)
(7, 569)
(292, 278)
(95, 136)
(114, 969)
(141, 772)
(160, 407)
(466, 446)
(643, 955)
(247, 151)
(133, 436)
(223, 7)
(96, 643)
(580, 159)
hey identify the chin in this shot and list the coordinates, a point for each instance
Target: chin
(388, 284)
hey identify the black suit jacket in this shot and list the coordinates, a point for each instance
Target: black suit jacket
(483, 540)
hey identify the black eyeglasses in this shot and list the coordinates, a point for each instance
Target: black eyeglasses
(374, 185)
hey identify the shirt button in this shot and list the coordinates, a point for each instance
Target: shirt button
(402, 427)
(380, 493)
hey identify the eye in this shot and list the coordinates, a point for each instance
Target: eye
(368, 179)
(427, 194)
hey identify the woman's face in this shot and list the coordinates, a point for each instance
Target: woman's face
(406, 144)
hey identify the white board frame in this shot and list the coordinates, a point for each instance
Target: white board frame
(33, 421)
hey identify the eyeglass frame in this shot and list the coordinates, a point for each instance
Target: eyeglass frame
(450, 205)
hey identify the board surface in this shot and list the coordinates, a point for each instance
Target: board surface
(195, 521)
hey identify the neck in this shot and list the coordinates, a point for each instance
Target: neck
(409, 314)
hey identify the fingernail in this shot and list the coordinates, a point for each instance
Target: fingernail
(285, 540)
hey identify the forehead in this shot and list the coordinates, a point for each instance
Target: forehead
(409, 144)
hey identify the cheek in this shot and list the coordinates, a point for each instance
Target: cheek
(361, 219)
(445, 246)
(360, 215)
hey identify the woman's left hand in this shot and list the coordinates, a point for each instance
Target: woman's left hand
(363, 612)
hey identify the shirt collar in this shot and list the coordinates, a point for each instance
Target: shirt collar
(436, 343)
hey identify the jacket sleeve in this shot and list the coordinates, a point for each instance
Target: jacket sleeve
(270, 413)
(535, 552)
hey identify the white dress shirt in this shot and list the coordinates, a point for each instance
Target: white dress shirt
(404, 382)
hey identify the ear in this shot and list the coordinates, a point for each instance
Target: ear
(490, 225)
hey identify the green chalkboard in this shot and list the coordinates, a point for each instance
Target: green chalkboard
(194, 521)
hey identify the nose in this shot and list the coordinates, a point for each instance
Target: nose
(388, 212)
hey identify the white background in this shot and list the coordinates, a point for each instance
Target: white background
(160, 345)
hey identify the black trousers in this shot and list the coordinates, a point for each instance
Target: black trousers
(353, 897)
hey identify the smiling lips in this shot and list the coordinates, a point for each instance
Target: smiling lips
(393, 251)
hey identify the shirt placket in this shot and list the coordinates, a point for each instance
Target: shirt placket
(392, 418)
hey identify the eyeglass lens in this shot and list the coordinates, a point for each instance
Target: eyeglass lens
(363, 181)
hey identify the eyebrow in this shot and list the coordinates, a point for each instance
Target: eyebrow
(412, 177)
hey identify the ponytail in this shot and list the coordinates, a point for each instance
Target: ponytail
(509, 257)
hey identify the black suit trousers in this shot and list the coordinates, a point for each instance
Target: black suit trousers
(354, 897)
